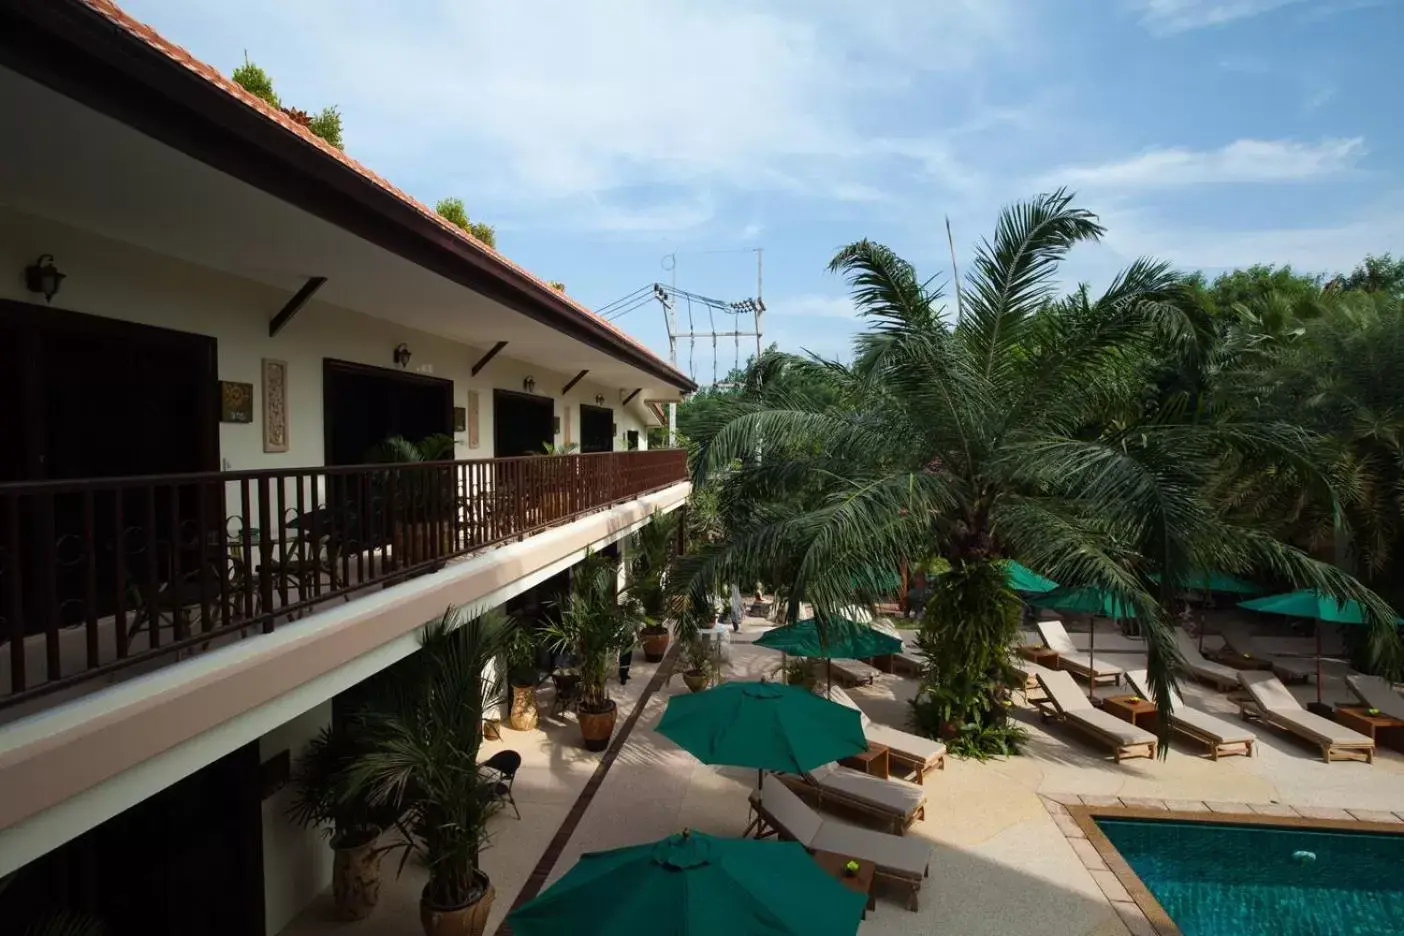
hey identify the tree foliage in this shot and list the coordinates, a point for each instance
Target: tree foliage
(452, 209)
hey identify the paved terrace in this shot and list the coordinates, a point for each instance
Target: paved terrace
(1005, 857)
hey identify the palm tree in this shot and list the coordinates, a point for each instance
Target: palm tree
(1016, 432)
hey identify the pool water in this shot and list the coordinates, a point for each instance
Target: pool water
(1218, 879)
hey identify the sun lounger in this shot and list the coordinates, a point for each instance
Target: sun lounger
(908, 751)
(1205, 670)
(1274, 704)
(1029, 670)
(1298, 665)
(1072, 659)
(855, 672)
(894, 804)
(903, 862)
(1221, 736)
(1067, 703)
(1378, 693)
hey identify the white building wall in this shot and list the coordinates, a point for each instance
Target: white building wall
(117, 280)
(297, 862)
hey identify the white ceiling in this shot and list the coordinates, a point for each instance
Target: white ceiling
(84, 169)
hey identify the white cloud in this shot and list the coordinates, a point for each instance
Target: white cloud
(1242, 161)
(522, 105)
(1173, 16)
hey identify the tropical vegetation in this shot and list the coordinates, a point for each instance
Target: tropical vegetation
(1118, 439)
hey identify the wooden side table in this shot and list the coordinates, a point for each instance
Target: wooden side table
(875, 761)
(860, 882)
(1381, 729)
(1043, 656)
(1133, 709)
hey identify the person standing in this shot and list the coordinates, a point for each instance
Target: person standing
(736, 607)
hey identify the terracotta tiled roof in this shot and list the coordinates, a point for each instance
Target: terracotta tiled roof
(155, 40)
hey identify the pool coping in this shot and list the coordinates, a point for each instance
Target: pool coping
(1129, 896)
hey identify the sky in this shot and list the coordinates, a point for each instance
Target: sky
(616, 143)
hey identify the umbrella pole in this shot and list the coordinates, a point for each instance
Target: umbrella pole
(1092, 656)
(829, 678)
(760, 778)
(1318, 661)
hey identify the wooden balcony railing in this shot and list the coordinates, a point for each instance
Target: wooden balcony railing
(101, 575)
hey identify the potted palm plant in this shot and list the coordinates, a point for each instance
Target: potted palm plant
(590, 625)
(324, 800)
(425, 495)
(693, 614)
(523, 675)
(421, 758)
(648, 570)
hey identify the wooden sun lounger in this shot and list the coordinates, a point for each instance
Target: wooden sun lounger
(1072, 659)
(1275, 705)
(901, 862)
(1205, 670)
(854, 672)
(1066, 703)
(912, 753)
(1220, 736)
(1377, 692)
(894, 804)
(1029, 670)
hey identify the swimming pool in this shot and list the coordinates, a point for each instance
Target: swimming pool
(1222, 879)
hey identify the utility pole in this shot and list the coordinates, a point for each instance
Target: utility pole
(760, 299)
(670, 310)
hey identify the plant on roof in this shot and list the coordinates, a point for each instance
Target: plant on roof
(453, 211)
(256, 81)
(1018, 424)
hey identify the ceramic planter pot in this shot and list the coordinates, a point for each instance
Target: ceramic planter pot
(458, 921)
(655, 644)
(597, 727)
(523, 715)
(356, 880)
(695, 681)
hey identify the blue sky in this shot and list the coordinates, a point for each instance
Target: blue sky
(600, 137)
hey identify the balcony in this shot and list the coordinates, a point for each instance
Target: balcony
(102, 577)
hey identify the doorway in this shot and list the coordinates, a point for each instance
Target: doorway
(188, 859)
(596, 428)
(363, 406)
(522, 423)
(91, 397)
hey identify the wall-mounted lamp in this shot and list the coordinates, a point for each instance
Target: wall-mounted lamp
(529, 385)
(599, 399)
(402, 355)
(43, 277)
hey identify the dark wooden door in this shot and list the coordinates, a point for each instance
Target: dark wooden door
(596, 428)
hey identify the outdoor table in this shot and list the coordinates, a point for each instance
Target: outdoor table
(876, 760)
(1381, 728)
(1133, 709)
(860, 882)
(1043, 656)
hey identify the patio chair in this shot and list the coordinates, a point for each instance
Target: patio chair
(894, 804)
(1275, 705)
(902, 862)
(855, 672)
(912, 753)
(1201, 668)
(1378, 693)
(1066, 703)
(505, 764)
(1072, 659)
(1222, 737)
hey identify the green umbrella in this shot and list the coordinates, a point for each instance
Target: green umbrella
(694, 884)
(1087, 600)
(1310, 603)
(843, 639)
(768, 726)
(1214, 582)
(1023, 579)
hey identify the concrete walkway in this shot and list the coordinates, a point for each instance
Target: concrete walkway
(1002, 862)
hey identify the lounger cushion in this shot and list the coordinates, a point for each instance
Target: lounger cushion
(789, 812)
(1083, 663)
(835, 693)
(1267, 690)
(1377, 692)
(908, 857)
(1282, 708)
(1055, 637)
(900, 799)
(1066, 694)
(1196, 664)
(1201, 722)
(1108, 724)
(913, 746)
(856, 670)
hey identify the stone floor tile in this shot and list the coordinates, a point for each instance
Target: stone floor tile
(1374, 815)
(1134, 917)
(1322, 812)
(1273, 809)
(1228, 807)
(1144, 802)
(1070, 829)
(1110, 885)
(1091, 859)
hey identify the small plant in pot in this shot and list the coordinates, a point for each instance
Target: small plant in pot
(422, 759)
(324, 799)
(590, 626)
(652, 550)
(693, 615)
(523, 676)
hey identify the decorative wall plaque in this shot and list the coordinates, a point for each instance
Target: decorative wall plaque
(275, 405)
(235, 402)
(472, 419)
